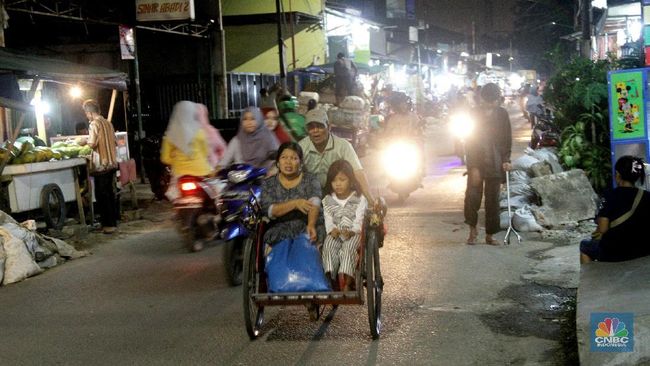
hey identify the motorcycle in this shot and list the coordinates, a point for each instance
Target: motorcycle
(545, 133)
(195, 205)
(242, 190)
(461, 126)
(403, 163)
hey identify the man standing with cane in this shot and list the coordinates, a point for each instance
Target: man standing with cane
(488, 157)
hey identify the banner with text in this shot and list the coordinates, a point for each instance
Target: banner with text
(161, 10)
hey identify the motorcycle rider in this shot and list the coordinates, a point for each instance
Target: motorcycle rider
(534, 105)
(191, 146)
(253, 143)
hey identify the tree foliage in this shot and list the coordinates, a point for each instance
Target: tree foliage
(539, 24)
(578, 93)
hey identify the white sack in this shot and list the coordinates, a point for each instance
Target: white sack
(523, 220)
(353, 102)
(3, 258)
(524, 162)
(19, 263)
(548, 155)
(305, 96)
(515, 202)
(504, 220)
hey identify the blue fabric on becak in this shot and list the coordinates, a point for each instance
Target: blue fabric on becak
(294, 266)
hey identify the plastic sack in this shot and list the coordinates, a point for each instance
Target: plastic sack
(304, 97)
(515, 202)
(294, 265)
(519, 176)
(548, 155)
(19, 264)
(524, 220)
(353, 102)
(504, 220)
(3, 258)
(524, 162)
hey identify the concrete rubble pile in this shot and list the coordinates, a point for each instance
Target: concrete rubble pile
(25, 253)
(544, 197)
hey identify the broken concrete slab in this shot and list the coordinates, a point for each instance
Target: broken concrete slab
(621, 287)
(568, 195)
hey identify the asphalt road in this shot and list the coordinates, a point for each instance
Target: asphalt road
(140, 299)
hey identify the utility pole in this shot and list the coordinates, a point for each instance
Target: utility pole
(283, 71)
(585, 16)
(220, 49)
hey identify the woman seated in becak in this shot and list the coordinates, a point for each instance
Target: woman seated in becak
(291, 199)
(624, 214)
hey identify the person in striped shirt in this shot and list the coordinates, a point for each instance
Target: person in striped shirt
(103, 164)
(343, 209)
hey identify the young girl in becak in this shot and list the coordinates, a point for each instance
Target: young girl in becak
(343, 210)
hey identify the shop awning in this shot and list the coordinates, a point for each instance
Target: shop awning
(50, 69)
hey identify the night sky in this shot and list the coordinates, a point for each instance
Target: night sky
(457, 15)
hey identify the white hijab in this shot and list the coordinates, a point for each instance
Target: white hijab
(183, 125)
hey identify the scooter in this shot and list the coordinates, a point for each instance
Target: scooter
(461, 126)
(197, 216)
(545, 133)
(403, 163)
(243, 187)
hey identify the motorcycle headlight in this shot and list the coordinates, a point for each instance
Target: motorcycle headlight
(402, 160)
(237, 176)
(461, 125)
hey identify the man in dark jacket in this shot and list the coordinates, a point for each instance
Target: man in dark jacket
(345, 73)
(488, 157)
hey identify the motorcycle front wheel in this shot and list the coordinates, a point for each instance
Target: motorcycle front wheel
(234, 260)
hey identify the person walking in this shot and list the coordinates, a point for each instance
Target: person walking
(345, 74)
(488, 157)
(103, 164)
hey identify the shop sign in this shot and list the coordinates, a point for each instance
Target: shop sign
(163, 10)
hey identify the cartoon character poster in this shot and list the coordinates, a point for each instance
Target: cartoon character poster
(627, 108)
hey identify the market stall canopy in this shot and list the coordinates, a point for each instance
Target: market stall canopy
(50, 69)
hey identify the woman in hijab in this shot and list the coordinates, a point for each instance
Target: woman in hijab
(191, 146)
(253, 144)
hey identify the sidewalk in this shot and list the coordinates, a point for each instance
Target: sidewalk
(150, 215)
(622, 287)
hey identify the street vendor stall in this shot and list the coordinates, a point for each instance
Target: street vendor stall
(39, 177)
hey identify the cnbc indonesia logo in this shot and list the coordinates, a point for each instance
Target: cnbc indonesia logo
(613, 332)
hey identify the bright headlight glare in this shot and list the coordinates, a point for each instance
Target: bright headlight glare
(461, 126)
(402, 160)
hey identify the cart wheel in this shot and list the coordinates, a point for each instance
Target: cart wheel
(234, 260)
(53, 206)
(253, 313)
(374, 283)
